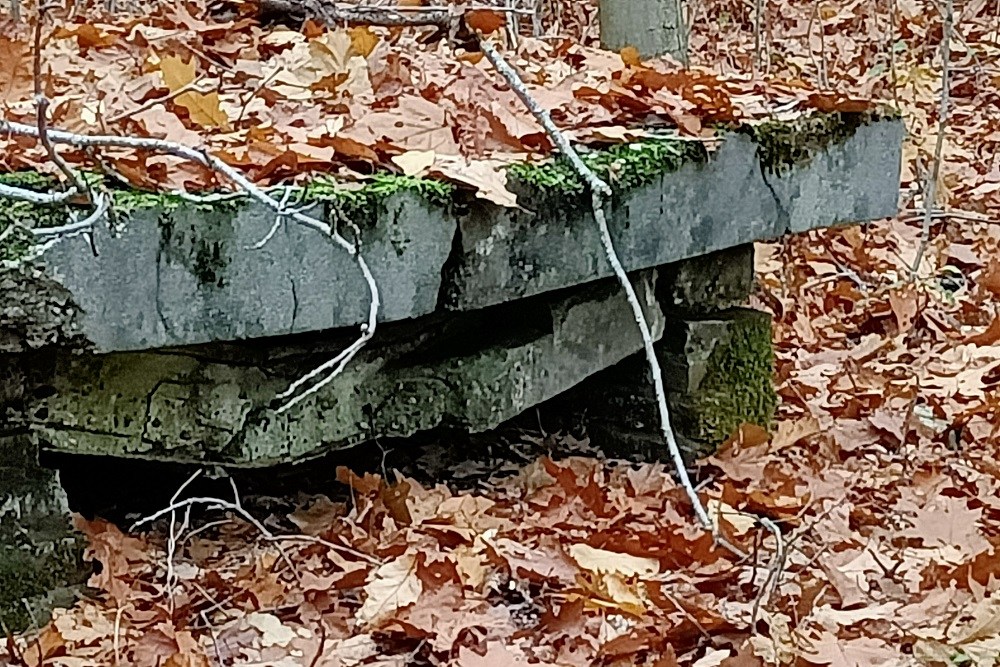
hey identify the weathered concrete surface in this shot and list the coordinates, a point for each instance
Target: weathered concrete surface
(186, 276)
(189, 276)
(700, 208)
(40, 553)
(718, 374)
(708, 284)
(214, 403)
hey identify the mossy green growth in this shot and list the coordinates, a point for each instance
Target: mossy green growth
(17, 242)
(40, 555)
(362, 205)
(782, 145)
(737, 387)
(623, 166)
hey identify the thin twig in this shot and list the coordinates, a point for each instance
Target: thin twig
(155, 101)
(42, 105)
(116, 642)
(217, 504)
(101, 206)
(757, 21)
(34, 197)
(930, 188)
(773, 571)
(599, 192)
(384, 15)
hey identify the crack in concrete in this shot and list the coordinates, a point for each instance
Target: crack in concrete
(786, 219)
(295, 304)
(158, 289)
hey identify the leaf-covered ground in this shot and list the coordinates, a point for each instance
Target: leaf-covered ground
(277, 102)
(882, 474)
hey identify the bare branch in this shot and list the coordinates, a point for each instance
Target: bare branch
(101, 205)
(599, 191)
(930, 187)
(42, 105)
(34, 197)
(383, 15)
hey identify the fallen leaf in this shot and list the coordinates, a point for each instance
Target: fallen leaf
(390, 587)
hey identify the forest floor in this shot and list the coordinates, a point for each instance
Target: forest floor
(881, 476)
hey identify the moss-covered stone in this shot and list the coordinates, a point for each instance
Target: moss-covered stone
(363, 204)
(41, 557)
(22, 215)
(735, 385)
(625, 167)
(782, 145)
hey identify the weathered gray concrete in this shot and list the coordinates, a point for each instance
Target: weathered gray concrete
(708, 284)
(717, 370)
(40, 553)
(190, 276)
(186, 276)
(214, 403)
(698, 209)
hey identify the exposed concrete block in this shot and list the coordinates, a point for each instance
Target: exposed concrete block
(185, 275)
(41, 556)
(190, 275)
(701, 208)
(718, 375)
(709, 283)
(214, 404)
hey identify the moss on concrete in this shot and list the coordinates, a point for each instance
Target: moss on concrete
(737, 387)
(23, 215)
(362, 205)
(35, 577)
(782, 145)
(625, 167)
(41, 557)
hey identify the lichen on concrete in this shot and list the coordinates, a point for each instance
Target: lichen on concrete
(735, 386)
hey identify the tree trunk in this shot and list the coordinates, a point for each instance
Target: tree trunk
(654, 27)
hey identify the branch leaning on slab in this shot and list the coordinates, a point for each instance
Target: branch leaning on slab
(600, 192)
(315, 379)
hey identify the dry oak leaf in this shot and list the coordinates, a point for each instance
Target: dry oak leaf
(204, 109)
(976, 637)
(831, 650)
(497, 655)
(484, 21)
(488, 177)
(414, 163)
(273, 631)
(15, 70)
(613, 562)
(948, 522)
(391, 587)
(176, 72)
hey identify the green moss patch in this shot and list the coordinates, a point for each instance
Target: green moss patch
(624, 167)
(782, 145)
(363, 204)
(737, 387)
(22, 215)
